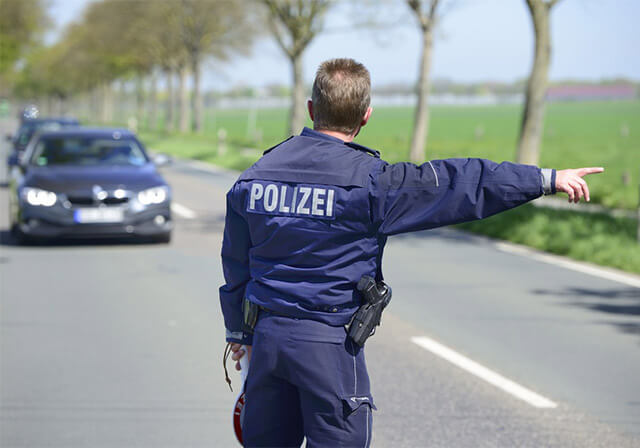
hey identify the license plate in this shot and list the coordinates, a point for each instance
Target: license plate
(98, 215)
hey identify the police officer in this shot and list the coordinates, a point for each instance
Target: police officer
(304, 224)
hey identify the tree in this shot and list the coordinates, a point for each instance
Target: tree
(211, 28)
(294, 24)
(426, 13)
(533, 113)
(22, 24)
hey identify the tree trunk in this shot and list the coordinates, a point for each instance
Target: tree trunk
(169, 123)
(107, 103)
(64, 105)
(122, 111)
(533, 114)
(421, 121)
(298, 106)
(184, 99)
(152, 113)
(95, 103)
(196, 98)
(139, 101)
(638, 216)
(48, 109)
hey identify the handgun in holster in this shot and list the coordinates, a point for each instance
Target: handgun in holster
(375, 297)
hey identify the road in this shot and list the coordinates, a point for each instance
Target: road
(118, 344)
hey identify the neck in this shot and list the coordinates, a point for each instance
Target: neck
(341, 135)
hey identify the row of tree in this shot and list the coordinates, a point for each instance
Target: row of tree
(139, 41)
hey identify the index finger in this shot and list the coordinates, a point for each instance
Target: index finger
(591, 170)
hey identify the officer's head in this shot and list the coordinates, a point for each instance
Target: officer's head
(341, 96)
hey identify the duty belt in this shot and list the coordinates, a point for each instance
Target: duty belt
(250, 313)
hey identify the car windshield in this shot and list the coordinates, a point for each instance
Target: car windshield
(87, 151)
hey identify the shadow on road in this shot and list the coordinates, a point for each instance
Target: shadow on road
(7, 239)
(620, 302)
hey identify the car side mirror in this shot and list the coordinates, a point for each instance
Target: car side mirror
(162, 159)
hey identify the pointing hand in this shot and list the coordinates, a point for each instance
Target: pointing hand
(571, 182)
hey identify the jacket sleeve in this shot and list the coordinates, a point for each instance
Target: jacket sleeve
(235, 266)
(408, 197)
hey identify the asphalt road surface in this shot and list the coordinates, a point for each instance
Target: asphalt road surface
(119, 344)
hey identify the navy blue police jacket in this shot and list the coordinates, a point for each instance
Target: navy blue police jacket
(313, 214)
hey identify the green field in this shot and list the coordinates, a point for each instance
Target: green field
(575, 134)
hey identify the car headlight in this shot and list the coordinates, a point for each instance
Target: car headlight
(155, 195)
(36, 196)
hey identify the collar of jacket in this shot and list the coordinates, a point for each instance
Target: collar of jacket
(306, 132)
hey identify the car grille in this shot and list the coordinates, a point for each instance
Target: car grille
(89, 200)
(81, 200)
(115, 201)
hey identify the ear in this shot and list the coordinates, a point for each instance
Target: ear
(310, 108)
(366, 117)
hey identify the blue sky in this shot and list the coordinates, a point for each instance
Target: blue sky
(476, 40)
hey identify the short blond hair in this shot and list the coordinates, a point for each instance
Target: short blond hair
(341, 95)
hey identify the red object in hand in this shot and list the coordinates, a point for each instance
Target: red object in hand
(238, 417)
(238, 409)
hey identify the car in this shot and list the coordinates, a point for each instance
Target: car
(29, 112)
(80, 182)
(29, 127)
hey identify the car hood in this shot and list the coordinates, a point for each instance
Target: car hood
(74, 178)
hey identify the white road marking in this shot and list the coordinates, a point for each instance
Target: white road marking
(182, 211)
(484, 373)
(609, 274)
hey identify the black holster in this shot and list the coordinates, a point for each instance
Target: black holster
(250, 315)
(375, 297)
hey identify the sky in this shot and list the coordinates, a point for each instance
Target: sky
(477, 40)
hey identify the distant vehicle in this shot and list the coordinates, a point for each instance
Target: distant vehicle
(29, 127)
(80, 182)
(29, 112)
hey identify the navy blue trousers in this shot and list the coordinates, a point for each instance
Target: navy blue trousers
(306, 379)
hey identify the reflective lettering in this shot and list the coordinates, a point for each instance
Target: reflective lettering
(270, 198)
(293, 200)
(286, 199)
(306, 192)
(317, 201)
(283, 197)
(256, 193)
(329, 210)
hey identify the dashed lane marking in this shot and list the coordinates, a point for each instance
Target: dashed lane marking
(484, 373)
(182, 211)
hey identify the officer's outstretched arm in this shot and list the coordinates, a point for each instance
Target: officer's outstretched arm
(408, 197)
(235, 265)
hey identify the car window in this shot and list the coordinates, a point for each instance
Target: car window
(27, 130)
(87, 151)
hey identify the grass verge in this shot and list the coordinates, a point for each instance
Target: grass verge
(596, 238)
